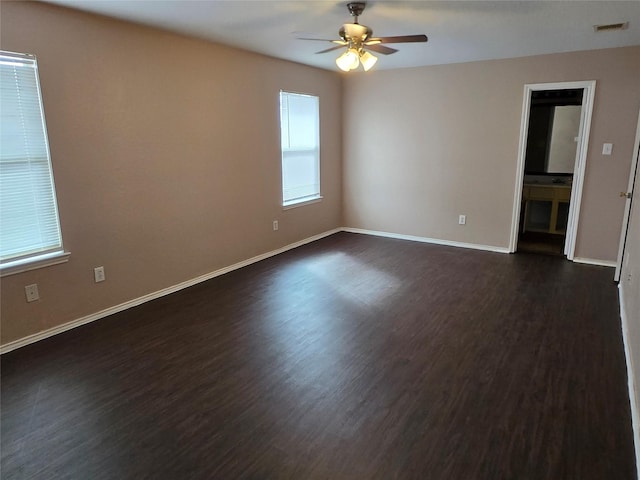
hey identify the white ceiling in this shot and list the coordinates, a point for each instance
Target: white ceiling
(458, 31)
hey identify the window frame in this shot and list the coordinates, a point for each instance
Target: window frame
(30, 260)
(316, 196)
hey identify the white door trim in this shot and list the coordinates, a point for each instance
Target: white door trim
(581, 158)
(627, 204)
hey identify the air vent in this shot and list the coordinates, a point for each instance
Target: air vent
(611, 27)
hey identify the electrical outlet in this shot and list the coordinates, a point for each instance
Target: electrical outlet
(629, 277)
(275, 225)
(31, 291)
(462, 220)
(98, 274)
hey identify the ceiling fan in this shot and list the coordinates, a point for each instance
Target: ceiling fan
(359, 40)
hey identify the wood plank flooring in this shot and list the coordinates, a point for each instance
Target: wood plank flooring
(354, 357)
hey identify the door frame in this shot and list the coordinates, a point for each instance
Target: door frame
(589, 87)
(633, 172)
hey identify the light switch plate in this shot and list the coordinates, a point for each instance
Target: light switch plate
(98, 274)
(607, 148)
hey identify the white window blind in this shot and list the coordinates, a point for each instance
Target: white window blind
(300, 141)
(29, 225)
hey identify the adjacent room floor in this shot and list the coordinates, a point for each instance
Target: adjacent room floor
(541, 243)
(354, 357)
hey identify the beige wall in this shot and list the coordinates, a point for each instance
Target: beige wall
(166, 159)
(424, 145)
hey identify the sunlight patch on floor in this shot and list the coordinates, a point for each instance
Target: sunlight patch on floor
(354, 280)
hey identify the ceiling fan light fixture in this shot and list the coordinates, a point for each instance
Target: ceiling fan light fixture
(368, 61)
(348, 60)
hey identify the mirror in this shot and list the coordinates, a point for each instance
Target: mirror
(554, 126)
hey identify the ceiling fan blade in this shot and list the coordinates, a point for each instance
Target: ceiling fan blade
(400, 39)
(381, 49)
(316, 39)
(330, 49)
(342, 43)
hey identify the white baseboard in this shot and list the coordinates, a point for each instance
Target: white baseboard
(21, 342)
(166, 291)
(449, 243)
(633, 395)
(7, 347)
(591, 261)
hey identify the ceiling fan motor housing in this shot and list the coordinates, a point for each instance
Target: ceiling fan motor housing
(354, 32)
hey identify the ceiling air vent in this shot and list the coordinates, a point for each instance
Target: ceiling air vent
(611, 27)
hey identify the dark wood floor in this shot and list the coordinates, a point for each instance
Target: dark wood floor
(543, 243)
(351, 358)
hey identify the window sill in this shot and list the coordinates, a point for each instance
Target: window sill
(34, 263)
(302, 203)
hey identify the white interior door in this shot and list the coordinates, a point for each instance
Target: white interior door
(628, 195)
(570, 240)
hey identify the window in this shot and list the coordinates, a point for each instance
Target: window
(300, 137)
(30, 229)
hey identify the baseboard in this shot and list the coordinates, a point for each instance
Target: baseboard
(166, 291)
(7, 347)
(591, 261)
(633, 398)
(437, 241)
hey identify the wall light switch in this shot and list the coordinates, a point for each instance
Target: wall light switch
(607, 148)
(98, 274)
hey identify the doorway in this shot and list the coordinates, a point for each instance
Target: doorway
(554, 135)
